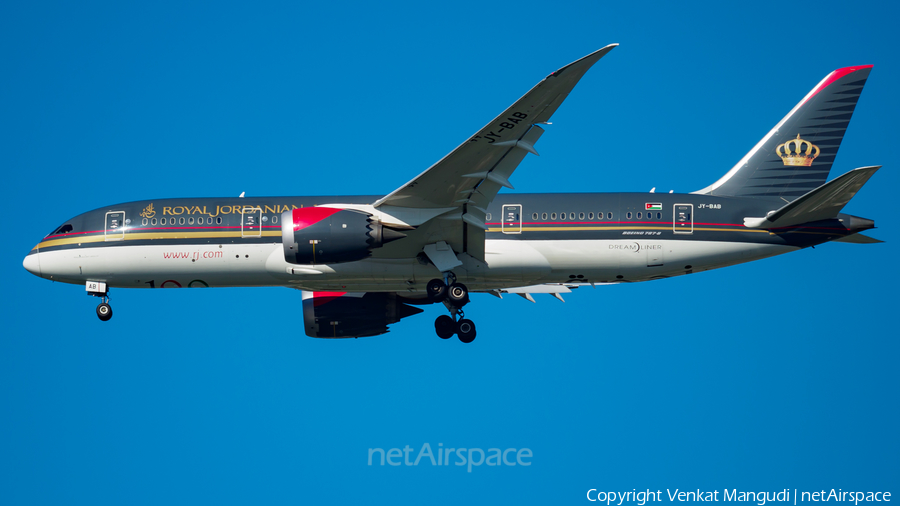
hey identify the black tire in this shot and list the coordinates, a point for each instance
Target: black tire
(437, 290)
(465, 329)
(444, 326)
(104, 311)
(458, 294)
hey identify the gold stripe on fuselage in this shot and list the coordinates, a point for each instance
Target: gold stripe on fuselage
(139, 236)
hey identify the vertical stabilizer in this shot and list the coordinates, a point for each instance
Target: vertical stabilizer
(796, 156)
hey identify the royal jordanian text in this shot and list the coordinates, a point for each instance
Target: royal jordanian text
(191, 210)
(734, 495)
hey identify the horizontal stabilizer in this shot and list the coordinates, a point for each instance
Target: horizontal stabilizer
(859, 239)
(823, 203)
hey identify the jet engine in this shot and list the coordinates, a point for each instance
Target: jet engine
(327, 235)
(339, 314)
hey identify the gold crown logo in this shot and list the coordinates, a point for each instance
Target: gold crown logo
(792, 152)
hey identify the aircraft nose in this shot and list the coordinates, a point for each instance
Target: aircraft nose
(32, 264)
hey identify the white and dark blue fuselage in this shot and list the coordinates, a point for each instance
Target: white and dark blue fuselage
(532, 239)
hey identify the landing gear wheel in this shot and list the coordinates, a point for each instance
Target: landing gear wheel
(458, 294)
(104, 311)
(444, 326)
(437, 290)
(465, 329)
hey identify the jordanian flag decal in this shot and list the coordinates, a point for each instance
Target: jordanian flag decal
(653, 207)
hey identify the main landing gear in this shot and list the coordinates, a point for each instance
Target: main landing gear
(454, 295)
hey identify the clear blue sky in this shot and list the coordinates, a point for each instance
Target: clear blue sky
(776, 374)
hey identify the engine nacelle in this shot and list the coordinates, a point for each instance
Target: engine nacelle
(339, 314)
(327, 235)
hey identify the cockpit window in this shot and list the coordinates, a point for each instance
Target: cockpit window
(65, 229)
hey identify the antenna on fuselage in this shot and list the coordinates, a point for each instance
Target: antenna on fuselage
(241, 195)
(653, 190)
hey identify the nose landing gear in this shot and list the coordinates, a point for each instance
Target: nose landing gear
(104, 311)
(454, 296)
(98, 289)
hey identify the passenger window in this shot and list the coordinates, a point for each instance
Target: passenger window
(609, 216)
(487, 217)
(275, 218)
(628, 215)
(153, 221)
(544, 216)
(209, 221)
(553, 216)
(581, 216)
(144, 222)
(218, 220)
(590, 216)
(534, 216)
(639, 216)
(181, 221)
(191, 220)
(658, 216)
(162, 221)
(571, 216)
(562, 216)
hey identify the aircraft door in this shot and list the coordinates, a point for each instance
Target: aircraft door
(115, 226)
(683, 219)
(512, 219)
(251, 222)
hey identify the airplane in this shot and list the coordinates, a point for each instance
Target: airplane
(366, 262)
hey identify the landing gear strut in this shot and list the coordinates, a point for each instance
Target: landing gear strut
(454, 296)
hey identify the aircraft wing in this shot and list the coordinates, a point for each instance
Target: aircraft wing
(472, 165)
(462, 184)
